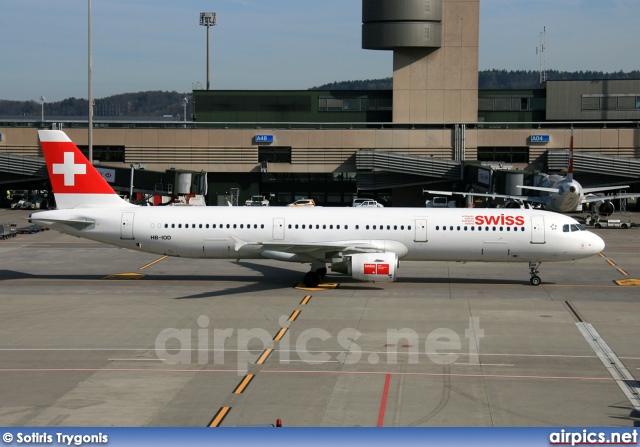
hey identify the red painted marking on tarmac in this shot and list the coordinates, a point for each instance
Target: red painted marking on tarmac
(383, 404)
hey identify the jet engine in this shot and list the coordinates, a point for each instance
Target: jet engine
(372, 267)
(605, 208)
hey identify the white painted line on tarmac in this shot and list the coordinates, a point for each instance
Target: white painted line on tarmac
(616, 368)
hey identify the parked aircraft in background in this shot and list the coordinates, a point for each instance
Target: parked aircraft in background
(560, 194)
(366, 243)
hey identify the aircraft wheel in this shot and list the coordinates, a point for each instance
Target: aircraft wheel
(535, 280)
(311, 279)
(322, 272)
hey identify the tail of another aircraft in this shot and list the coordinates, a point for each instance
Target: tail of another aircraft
(76, 183)
(570, 170)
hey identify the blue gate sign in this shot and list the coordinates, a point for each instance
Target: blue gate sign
(539, 138)
(263, 139)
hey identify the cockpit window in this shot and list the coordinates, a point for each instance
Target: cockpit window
(573, 227)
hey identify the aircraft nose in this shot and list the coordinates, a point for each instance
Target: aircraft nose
(597, 243)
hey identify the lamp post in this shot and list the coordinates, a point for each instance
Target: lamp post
(90, 92)
(42, 101)
(185, 101)
(207, 19)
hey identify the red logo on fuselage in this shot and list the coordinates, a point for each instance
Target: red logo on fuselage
(499, 220)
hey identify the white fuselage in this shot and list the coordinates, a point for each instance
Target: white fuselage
(502, 235)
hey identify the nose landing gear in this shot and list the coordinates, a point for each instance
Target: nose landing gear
(533, 271)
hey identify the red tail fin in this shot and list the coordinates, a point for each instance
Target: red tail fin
(74, 180)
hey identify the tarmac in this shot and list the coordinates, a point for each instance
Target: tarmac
(93, 335)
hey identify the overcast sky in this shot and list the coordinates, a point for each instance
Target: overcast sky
(143, 45)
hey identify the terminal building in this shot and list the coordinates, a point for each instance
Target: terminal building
(434, 129)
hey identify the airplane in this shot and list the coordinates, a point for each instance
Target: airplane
(560, 194)
(366, 243)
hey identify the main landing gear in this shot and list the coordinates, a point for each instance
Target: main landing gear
(312, 278)
(533, 271)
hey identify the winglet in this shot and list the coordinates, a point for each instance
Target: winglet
(76, 183)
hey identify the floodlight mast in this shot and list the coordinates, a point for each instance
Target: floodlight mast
(208, 19)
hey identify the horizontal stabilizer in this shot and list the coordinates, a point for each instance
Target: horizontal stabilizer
(79, 223)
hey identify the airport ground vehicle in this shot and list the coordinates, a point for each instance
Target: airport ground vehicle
(440, 202)
(369, 203)
(303, 202)
(256, 201)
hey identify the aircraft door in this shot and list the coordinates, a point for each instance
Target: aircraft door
(537, 230)
(420, 230)
(278, 228)
(126, 227)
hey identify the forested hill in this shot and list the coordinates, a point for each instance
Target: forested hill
(147, 104)
(493, 80)
(523, 79)
(158, 103)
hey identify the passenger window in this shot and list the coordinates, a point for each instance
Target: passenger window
(346, 227)
(324, 227)
(357, 227)
(402, 227)
(173, 225)
(395, 227)
(166, 225)
(338, 227)
(179, 225)
(374, 227)
(437, 227)
(409, 227)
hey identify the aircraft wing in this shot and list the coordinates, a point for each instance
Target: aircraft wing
(593, 198)
(310, 247)
(605, 188)
(533, 199)
(538, 188)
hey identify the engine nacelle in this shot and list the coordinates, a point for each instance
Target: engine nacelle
(606, 209)
(372, 267)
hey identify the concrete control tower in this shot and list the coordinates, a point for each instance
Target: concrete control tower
(435, 56)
